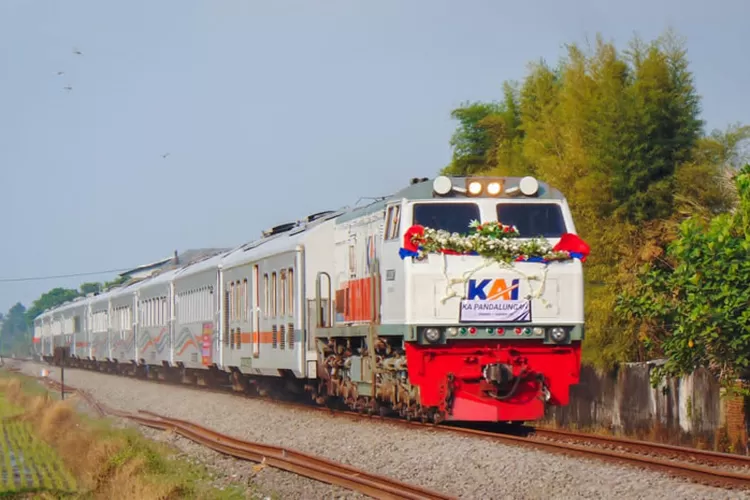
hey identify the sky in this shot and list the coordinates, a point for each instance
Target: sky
(269, 110)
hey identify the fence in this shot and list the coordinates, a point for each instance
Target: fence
(690, 410)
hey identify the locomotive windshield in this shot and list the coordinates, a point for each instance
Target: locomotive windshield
(451, 217)
(533, 219)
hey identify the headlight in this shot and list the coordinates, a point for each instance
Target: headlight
(432, 335)
(558, 334)
(452, 331)
(475, 187)
(493, 188)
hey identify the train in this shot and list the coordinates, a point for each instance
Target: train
(455, 299)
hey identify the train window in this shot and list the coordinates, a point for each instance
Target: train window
(273, 294)
(267, 296)
(226, 317)
(393, 225)
(245, 300)
(451, 217)
(238, 302)
(233, 306)
(282, 293)
(290, 284)
(544, 220)
(352, 260)
(256, 298)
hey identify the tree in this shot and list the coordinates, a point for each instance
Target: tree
(120, 280)
(473, 140)
(93, 287)
(620, 134)
(693, 308)
(14, 329)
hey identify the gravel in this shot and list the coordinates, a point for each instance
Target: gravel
(464, 466)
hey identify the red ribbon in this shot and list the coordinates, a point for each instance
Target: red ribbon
(415, 230)
(570, 242)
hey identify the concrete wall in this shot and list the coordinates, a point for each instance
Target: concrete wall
(688, 410)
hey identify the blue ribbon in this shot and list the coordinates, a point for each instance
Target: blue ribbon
(404, 253)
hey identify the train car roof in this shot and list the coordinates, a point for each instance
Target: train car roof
(200, 266)
(259, 249)
(160, 279)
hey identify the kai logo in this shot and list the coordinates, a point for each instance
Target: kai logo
(497, 289)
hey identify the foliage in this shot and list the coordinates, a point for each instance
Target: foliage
(16, 334)
(93, 287)
(619, 133)
(108, 462)
(14, 331)
(47, 474)
(695, 309)
(491, 240)
(120, 280)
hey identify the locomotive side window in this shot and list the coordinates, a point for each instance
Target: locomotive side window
(392, 224)
(451, 217)
(290, 300)
(533, 219)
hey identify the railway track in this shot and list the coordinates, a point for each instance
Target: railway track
(303, 464)
(702, 466)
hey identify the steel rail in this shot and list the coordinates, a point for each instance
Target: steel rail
(704, 475)
(303, 464)
(637, 446)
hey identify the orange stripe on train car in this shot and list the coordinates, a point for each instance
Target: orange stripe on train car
(264, 337)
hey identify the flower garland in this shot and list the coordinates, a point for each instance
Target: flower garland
(493, 241)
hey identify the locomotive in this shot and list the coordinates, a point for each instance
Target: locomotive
(454, 299)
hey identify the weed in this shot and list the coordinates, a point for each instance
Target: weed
(107, 463)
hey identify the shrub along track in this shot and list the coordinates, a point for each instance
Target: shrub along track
(303, 464)
(717, 469)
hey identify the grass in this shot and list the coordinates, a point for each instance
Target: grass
(30, 465)
(105, 462)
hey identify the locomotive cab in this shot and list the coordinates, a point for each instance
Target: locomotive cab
(495, 328)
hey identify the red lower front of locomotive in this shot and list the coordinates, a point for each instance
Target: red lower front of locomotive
(491, 380)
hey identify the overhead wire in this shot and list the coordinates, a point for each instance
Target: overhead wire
(61, 276)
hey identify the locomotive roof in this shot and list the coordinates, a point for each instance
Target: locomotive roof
(423, 191)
